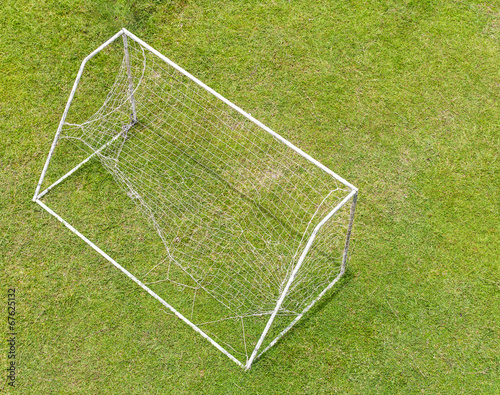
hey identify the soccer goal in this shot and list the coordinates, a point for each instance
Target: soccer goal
(231, 227)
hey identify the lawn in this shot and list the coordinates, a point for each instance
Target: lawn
(400, 98)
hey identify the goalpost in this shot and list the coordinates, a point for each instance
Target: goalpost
(253, 231)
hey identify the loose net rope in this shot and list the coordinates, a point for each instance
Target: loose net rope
(233, 206)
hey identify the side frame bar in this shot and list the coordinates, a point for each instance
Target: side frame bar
(341, 273)
(294, 273)
(68, 105)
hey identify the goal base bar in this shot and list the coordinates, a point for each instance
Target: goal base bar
(172, 309)
(138, 282)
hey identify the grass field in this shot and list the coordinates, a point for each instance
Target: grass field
(400, 98)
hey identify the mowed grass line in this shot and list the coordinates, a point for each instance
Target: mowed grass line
(400, 98)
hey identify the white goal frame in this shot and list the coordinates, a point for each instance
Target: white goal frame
(352, 197)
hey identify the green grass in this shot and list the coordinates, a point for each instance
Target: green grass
(400, 98)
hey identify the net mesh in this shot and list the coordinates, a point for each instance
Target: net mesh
(234, 207)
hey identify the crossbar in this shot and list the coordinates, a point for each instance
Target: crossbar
(242, 112)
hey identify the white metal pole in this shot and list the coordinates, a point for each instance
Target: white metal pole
(97, 152)
(68, 104)
(292, 276)
(245, 114)
(136, 280)
(130, 80)
(349, 230)
(341, 273)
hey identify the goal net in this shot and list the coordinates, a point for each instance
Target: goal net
(248, 231)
